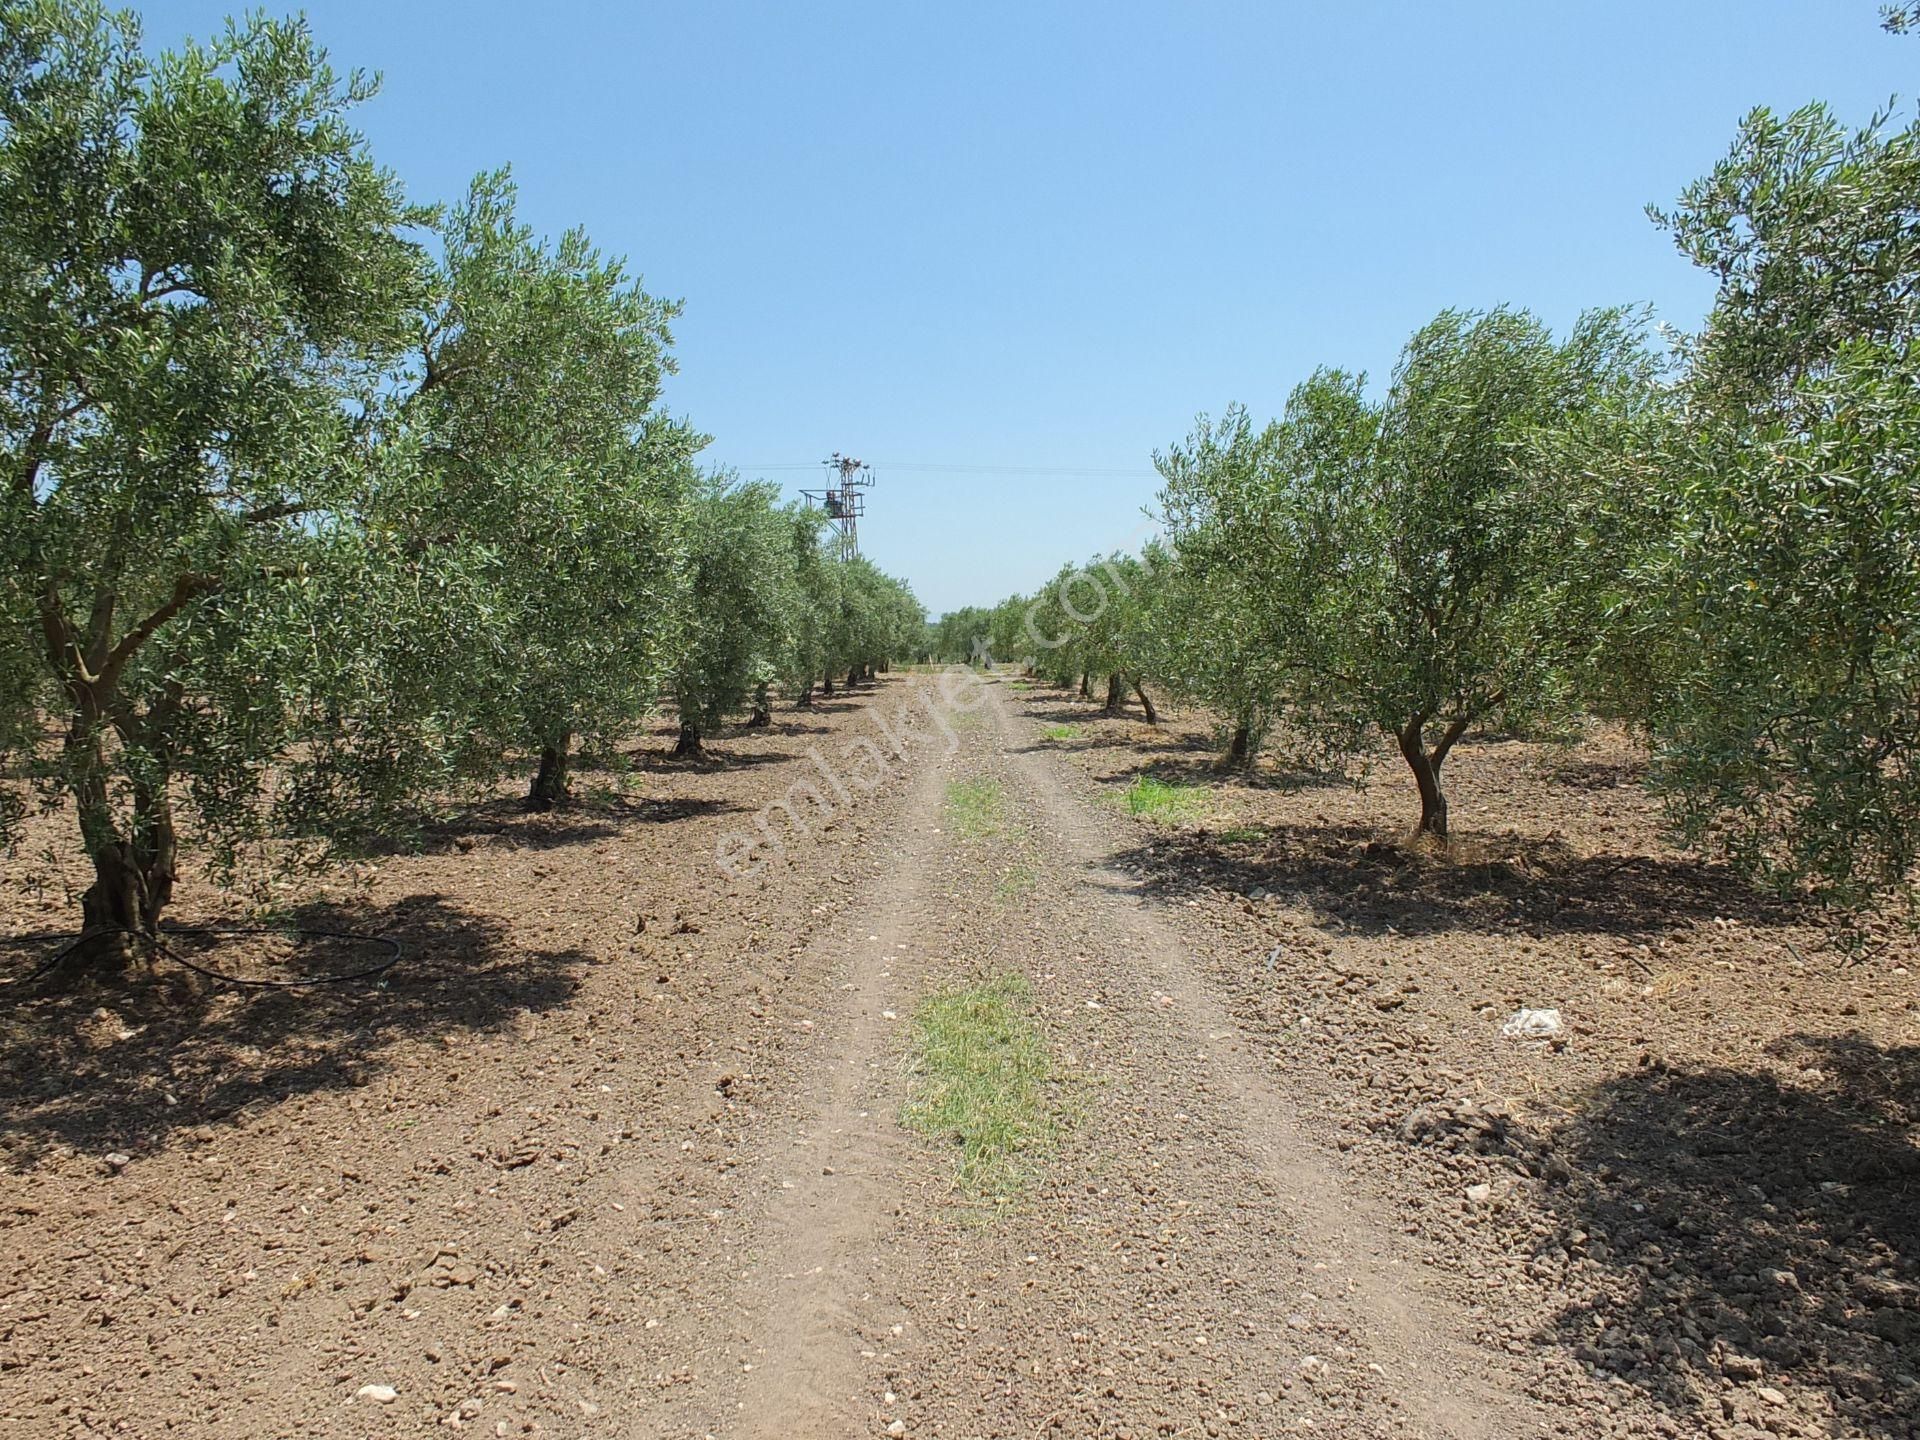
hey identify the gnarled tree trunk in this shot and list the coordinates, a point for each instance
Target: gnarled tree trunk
(805, 702)
(1086, 686)
(133, 878)
(689, 746)
(762, 715)
(1426, 764)
(1146, 703)
(135, 865)
(552, 781)
(1116, 695)
(1240, 744)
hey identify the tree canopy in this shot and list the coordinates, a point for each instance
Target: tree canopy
(315, 500)
(1715, 541)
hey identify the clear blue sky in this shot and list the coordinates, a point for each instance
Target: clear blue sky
(1045, 235)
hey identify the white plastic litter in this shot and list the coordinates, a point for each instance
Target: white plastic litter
(1526, 1024)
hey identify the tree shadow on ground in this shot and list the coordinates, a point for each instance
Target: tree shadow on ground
(1210, 768)
(1756, 1229)
(1346, 873)
(843, 700)
(717, 755)
(1085, 712)
(122, 1064)
(504, 822)
(508, 823)
(1078, 744)
(1578, 773)
(663, 812)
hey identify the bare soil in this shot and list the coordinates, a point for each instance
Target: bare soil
(616, 1148)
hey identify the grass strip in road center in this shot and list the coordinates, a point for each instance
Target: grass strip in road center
(976, 808)
(981, 1073)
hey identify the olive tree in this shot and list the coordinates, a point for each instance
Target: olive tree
(859, 627)
(906, 623)
(882, 619)
(958, 637)
(742, 597)
(1452, 605)
(201, 267)
(534, 408)
(1779, 597)
(1255, 527)
(1092, 620)
(1004, 629)
(1400, 566)
(815, 602)
(1051, 635)
(1115, 636)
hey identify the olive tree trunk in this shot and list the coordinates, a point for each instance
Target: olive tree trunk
(1116, 695)
(762, 715)
(1240, 744)
(133, 872)
(136, 858)
(552, 782)
(1146, 703)
(1426, 763)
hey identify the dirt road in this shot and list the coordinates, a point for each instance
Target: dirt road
(1186, 1263)
(622, 1151)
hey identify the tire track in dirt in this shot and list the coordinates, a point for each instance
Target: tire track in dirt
(824, 1231)
(1434, 1377)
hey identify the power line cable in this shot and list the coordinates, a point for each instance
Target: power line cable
(933, 469)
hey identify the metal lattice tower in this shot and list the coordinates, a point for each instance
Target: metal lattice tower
(844, 499)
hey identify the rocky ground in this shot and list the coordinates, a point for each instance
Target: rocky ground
(616, 1148)
(1694, 1211)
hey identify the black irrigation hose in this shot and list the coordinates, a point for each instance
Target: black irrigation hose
(393, 957)
(52, 963)
(157, 944)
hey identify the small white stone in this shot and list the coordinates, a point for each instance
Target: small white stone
(379, 1394)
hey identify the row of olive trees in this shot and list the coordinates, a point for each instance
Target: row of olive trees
(771, 605)
(313, 500)
(1088, 622)
(1717, 539)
